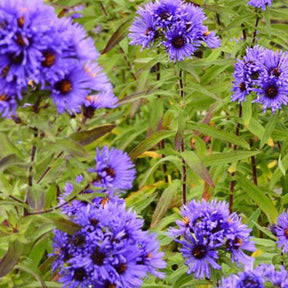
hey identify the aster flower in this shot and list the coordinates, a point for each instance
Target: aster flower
(260, 3)
(176, 25)
(109, 250)
(114, 169)
(208, 228)
(281, 231)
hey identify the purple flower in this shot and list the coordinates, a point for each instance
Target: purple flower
(114, 169)
(206, 231)
(110, 248)
(260, 3)
(281, 230)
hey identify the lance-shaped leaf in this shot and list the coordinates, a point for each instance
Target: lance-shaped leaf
(149, 142)
(8, 161)
(11, 257)
(259, 197)
(197, 166)
(117, 36)
(89, 136)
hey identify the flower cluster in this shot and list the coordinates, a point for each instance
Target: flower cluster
(258, 278)
(174, 24)
(109, 250)
(280, 230)
(39, 50)
(261, 4)
(206, 229)
(265, 73)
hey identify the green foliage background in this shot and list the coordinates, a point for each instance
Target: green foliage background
(149, 124)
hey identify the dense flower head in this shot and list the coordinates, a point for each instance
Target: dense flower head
(263, 73)
(206, 229)
(109, 250)
(262, 4)
(280, 230)
(53, 54)
(175, 25)
(114, 169)
(262, 276)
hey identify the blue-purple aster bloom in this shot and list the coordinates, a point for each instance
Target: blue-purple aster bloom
(206, 229)
(114, 169)
(109, 250)
(280, 230)
(262, 4)
(263, 73)
(176, 25)
(53, 54)
(259, 277)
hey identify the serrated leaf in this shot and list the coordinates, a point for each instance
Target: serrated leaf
(89, 136)
(117, 36)
(227, 157)
(197, 166)
(149, 142)
(259, 197)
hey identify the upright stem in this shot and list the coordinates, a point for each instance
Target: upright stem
(182, 147)
(255, 30)
(253, 164)
(232, 183)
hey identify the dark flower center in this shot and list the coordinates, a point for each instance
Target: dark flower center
(276, 72)
(199, 251)
(5, 71)
(94, 221)
(79, 240)
(271, 91)
(242, 87)
(49, 59)
(164, 15)
(237, 243)
(110, 285)
(79, 274)
(64, 86)
(178, 42)
(255, 75)
(286, 233)
(3, 97)
(250, 282)
(148, 31)
(16, 59)
(20, 40)
(121, 268)
(110, 171)
(98, 257)
(20, 22)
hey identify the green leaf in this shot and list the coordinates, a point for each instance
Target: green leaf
(220, 134)
(8, 161)
(117, 36)
(89, 136)
(197, 166)
(279, 172)
(69, 146)
(11, 257)
(164, 202)
(28, 266)
(60, 222)
(268, 130)
(149, 142)
(227, 157)
(263, 201)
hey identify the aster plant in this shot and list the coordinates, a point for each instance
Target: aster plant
(208, 230)
(176, 26)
